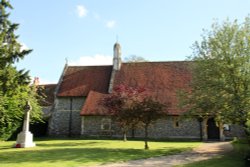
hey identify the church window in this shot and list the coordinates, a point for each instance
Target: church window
(106, 124)
(176, 122)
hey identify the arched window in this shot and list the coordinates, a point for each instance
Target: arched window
(176, 122)
(106, 124)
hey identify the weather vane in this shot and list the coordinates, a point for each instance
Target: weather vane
(66, 59)
(117, 37)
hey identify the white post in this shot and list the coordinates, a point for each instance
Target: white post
(205, 129)
(25, 138)
(26, 122)
(222, 136)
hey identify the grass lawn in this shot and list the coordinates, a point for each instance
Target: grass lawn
(66, 153)
(233, 159)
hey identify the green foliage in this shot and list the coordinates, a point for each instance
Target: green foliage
(221, 73)
(247, 128)
(147, 111)
(131, 108)
(15, 90)
(12, 110)
(10, 48)
(120, 104)
(134, 59)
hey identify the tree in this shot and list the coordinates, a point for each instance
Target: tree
(120, 103)
(134, 59)
(147, 111)
(14, 84)
(220, 85)
(132, 107)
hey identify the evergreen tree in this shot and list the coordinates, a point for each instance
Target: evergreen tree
(14, 84)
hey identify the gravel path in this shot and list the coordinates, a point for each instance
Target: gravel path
(203, 152)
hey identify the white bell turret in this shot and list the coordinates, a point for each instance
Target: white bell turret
(117, 61)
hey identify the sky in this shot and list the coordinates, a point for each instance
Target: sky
(83, 32)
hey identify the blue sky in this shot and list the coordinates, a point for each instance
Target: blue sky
(84, 31)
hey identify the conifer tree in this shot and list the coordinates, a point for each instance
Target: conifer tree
(14, 84)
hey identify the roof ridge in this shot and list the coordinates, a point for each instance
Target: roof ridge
(175, 61)
(50, 84)
(91, 66)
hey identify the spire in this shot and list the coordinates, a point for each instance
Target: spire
(117, 57)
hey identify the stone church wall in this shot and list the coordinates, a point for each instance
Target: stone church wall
(170, 127)
(173, 127)
(60, 123)
(163, 128)
(234, 131)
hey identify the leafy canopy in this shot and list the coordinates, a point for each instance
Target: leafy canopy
(221, 73)
(148, 111)
(120, 104)
(133, 107)
(134, 59)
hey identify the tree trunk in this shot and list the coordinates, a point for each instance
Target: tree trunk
(124, 135)
(200, 119)
(247, 131)
(146, 137)
(133, 131)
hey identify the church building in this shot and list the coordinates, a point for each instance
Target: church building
(76, 110)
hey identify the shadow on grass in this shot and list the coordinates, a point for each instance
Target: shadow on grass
(67, 144)
(80, 155)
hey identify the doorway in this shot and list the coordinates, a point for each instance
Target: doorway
(213, 132)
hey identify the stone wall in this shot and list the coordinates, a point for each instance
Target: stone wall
(65, 118)
(168, 127)
(91, 125)
(234, 131)
(60, 124)
(46, 111)
(173, 127)
(163, 128)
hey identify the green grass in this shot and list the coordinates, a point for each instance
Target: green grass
(233, 159)
(69, 153)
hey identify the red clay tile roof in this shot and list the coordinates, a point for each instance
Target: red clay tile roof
(161, 79)
(48, 90)
(92, 104)
(79, 80)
